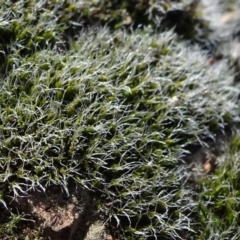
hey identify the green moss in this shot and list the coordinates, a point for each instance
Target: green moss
(218, 205)
(111, 113)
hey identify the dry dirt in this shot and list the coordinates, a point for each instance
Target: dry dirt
(57, 216)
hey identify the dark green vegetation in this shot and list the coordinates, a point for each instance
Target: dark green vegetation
(219, 207)
(115, 111)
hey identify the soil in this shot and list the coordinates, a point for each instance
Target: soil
(58, 216)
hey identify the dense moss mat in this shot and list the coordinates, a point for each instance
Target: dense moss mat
(114, 115)
(218, 208)
(31, 25)
(110, 110)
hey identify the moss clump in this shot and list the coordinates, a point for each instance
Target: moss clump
(218, 204)
(113, 116)
(114, 112)
(36, 25)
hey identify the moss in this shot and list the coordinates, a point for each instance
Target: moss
(218, 204)
(114, 111)
(122, 118)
